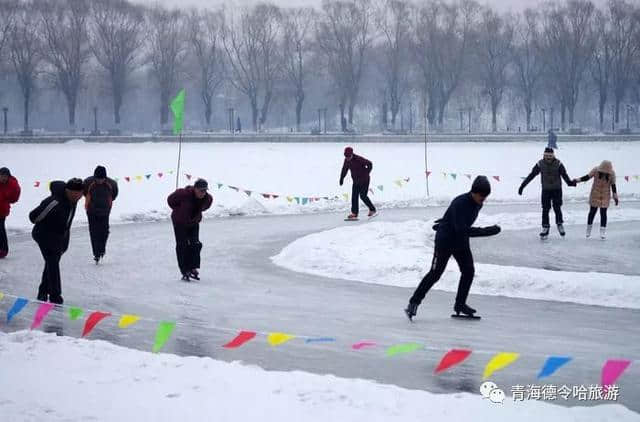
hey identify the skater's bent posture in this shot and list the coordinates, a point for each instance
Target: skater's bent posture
(360, 169)
(604, 183)
(550, 170)
(187, 205)
(453, 231)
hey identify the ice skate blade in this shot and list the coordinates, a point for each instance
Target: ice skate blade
(351, 219)
(463, 316)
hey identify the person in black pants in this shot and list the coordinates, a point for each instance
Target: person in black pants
(551, 172)
(453, 231)
(100, 192)
(360, 170)
(52, 221)
(187, 205)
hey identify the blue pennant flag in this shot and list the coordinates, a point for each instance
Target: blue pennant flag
(552, 365)
(18, 305)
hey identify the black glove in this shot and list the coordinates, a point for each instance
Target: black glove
(520, 190)
(573, 183)
(492, 230)
(340, 182)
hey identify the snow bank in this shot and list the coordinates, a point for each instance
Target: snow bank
(303, 170)
(398, 254)
(51, 378)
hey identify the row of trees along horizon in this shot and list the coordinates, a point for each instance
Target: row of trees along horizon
(358, 65)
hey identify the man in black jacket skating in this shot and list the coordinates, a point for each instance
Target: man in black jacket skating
(550, 170)
(100, 192)
(52, 219)
(453, 231)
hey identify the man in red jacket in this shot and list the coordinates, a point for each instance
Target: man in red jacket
(9, 194)
(360, 168)
(187, 205)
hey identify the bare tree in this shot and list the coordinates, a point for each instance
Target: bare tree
(64, 26)
(116, 39)
(625, 49)
(527, 58)
(8, 9)
(204, 34)
(298, 29)
(393, 20)
(25, 45)
(343, 36)
(494, 52)
(252, 43)
(167, 52)
(568, 45)
(601, 62)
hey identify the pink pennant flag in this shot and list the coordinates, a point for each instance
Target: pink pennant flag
(42, 312)
(451, 358)
(188, 176)
(93, 320)
(127, 178)
(497, 178)
(612, 370)
(625, 178)
(36, 184)
(407, 179)
(363, 344)
(240, 339)
(160, 174)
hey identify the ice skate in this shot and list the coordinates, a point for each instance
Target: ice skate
(185, 277)
(372, 214)
(603, 233)
(352, 217)
(194, 274)
(544, 233)
(466, 311)
(411, 311)
(561, 230)
(589, 227)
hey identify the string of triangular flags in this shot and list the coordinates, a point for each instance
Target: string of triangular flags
(127, 179)
(611, 370)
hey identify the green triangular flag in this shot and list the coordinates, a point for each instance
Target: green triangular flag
(162, 334)
(177, 107)
(403, 348)
(380, 187)
(75, 313)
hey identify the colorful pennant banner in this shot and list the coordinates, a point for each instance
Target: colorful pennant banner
(93, 320)
(498, 362)
(452, 358)
(18, 305)
(163, 333)
(41, 313)
(552, 364)
(242, 338)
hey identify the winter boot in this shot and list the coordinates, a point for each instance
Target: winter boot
(544, 233)
(603, 233)
(561, 230)
(464, 309)
(589, 227)
(411, 310)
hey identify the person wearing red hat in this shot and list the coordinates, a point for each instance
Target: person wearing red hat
(360, 170)
(9, 194)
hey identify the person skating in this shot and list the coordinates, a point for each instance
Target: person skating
(551, 171)
(453, 231)
(604, 183)
(52, 221)
(187, 205)
(552, 140)
(9, 194)
(360, 174)
(100, 192)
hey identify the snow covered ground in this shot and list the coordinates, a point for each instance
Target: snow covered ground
(299, 170)
(399, 254)
(45, 377)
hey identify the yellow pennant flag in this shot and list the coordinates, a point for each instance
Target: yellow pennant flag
(399, 183)
(139, 178)
(499, 361)
(276, 339)
(1, 295)
(346, 196)
(290, 198)
(128, 320)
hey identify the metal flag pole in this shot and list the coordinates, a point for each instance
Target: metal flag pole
(426, 164)
(179, 154)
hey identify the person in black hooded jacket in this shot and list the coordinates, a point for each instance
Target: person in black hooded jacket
(52, 221)
(100, 192)
(453, 231)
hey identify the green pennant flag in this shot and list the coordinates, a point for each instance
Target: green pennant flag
(177, 107)
(75, 313)
(162, 334)
(380, 188)
(403, 348)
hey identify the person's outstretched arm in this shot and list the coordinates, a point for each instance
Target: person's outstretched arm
(343, 173)
(565, 176)
(534, 172)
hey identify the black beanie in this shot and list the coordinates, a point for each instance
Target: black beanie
(201, 184)
(5, 172)
(100, 172)
(481, 185)
(548, 150)
(74, 184)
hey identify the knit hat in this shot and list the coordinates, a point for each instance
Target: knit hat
(548, 150)
(74, 184)
(100, 172)
(481, 185)
(201, 184)
(5, 172)
(606, 167)
(348, 152)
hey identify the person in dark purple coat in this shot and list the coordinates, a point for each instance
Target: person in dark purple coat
(360, 169)
(187, 205)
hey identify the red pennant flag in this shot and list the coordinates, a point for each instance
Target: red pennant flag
(36, 184)
(188, 176)
(240, 339)
(452, 358)
(497, 178)
(625, 178)
(428, 173)
(274, 196)
(159, 174)
(127, 178)
(93, 320)
(266, 195)
(407, 179)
